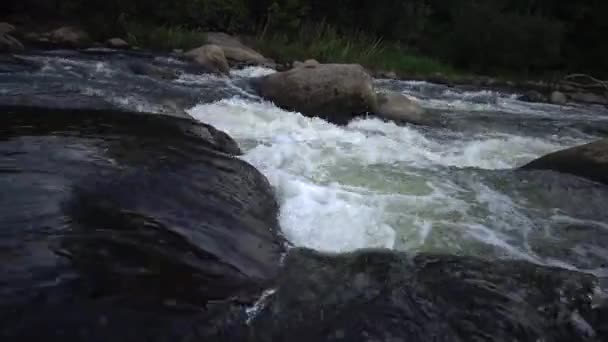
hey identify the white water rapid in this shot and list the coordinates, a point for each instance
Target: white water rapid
(376, 184)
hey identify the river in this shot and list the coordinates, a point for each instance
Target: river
(452, 190)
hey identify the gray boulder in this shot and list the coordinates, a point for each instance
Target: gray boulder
(117, 43)
(334, 92)
(589, 161)
(211, 57)
(70, 36)
(397, 107)
(235, 51)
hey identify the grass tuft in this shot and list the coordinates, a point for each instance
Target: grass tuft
(325, 44)
(164, 37)
(319, 41)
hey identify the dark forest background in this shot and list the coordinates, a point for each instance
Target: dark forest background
(531, 36)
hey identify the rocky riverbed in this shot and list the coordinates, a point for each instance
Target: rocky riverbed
(145, 199)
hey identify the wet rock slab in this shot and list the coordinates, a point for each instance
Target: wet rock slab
(123, 226)
(387, 296)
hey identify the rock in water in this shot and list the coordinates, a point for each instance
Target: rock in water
(334, 92)
(397, 107)
(533, 96)
(388, 296)
(10, 44)
(307, 63)
(117, 43)
(589, 98)
(211, 57)
(558, 98)
(588, 161)
(127, 227)
(70, 36)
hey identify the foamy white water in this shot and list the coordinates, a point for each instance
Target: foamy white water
(376, 184)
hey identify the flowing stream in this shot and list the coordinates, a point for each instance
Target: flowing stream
(449, 190)
(452, 189)
(151, 227)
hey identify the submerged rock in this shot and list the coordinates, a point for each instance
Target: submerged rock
(589, 98)
(533, 96)
(388, 296)
(558, 98)
(211, 57)
(146, 69)
(587, 161)
(10, 63)
(397, 107)
(335, 92)
(121, 227)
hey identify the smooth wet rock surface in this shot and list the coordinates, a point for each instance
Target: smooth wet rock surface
(384, 296)
(118, 220)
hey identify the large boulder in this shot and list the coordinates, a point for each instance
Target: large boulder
(334, 92)
(70, 36)
(211, 57)
(397, 107)
(10, 44)
(235, 51)
(136, 228)
(117, 43)
(588, 161)
(6, 28)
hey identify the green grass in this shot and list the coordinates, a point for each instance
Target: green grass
(325, 44)
(318, 41)
(163, 37)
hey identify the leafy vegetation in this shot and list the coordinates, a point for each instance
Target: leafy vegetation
(489, 36)
(325, 44)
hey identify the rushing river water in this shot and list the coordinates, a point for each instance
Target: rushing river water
(449, 190)
(453, 189)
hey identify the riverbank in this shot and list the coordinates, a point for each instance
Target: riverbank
(383, 59)
(323, 43)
